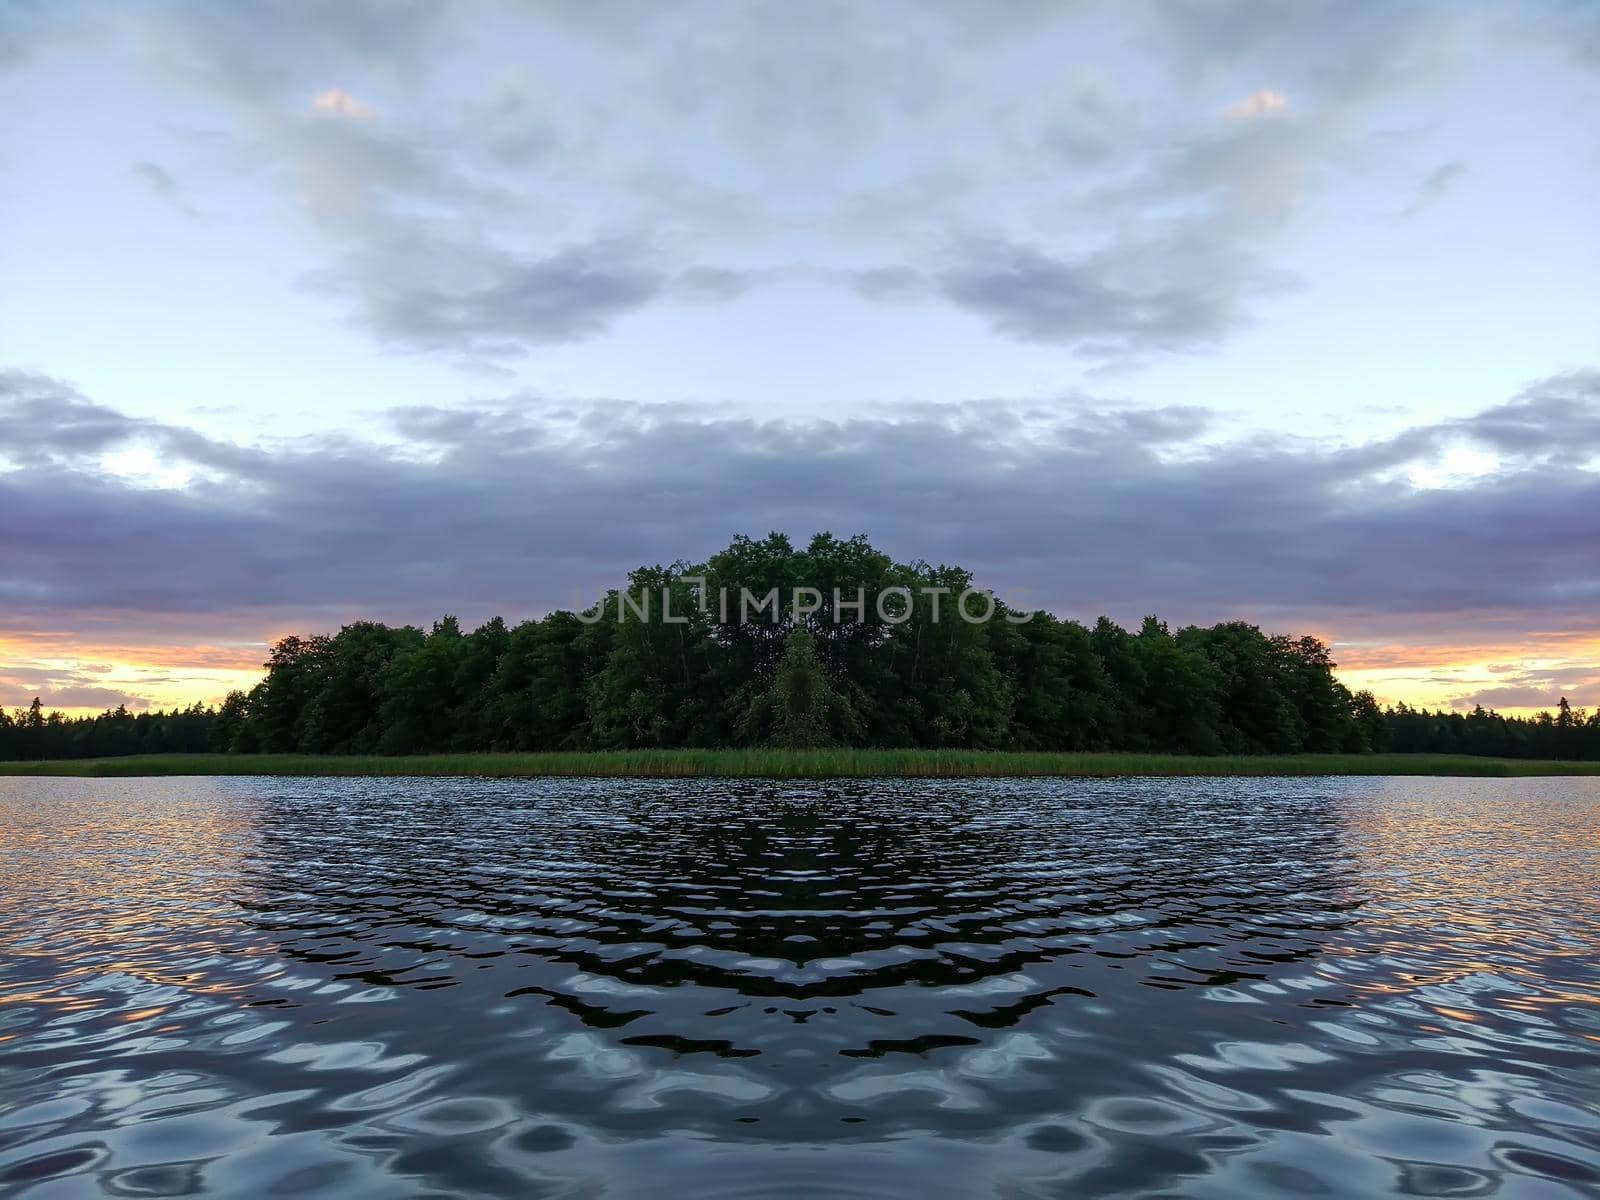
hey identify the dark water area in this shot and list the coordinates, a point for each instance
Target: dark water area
(927, 989)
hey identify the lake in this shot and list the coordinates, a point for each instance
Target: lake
(927, 989)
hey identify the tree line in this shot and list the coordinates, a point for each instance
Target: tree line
(33, 733)
(911, 677)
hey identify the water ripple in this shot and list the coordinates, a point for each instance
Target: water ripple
(1225, 988)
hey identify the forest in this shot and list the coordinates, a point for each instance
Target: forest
(605, 679)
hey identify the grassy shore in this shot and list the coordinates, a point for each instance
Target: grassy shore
(798, 764)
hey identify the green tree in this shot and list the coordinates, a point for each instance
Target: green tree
(537, 694)
(230, 732)
(800, 708)
(665, 681)
(345, 688)
(421, 698)
(1370, 721)
(278, 703)
(1062, 693)
(1180, 709)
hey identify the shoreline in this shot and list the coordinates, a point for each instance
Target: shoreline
(801, 764)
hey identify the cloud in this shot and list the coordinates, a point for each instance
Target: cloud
(1436, 185)
(1107, 303)
(62, 691)
(511, 507)
(41, 419)
(24, 24)
(1515, 696)
(448, 225)
(444, 295)
(163, 185)
(1171, 225)
(337, 102)
(1557, 419)
(887, 283)
(714, 283)
(1160, 232)
(1264, 102)
(46, 424)
(536, 187)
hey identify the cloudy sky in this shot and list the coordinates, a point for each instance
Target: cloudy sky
(315, 312)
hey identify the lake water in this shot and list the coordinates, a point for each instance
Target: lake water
(926, 989)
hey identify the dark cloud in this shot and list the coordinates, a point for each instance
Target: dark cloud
(1557, 418)
(44, 422)
(1108, 303)
(461, 297)
(1540, 684)
(511, 508)
(1436, 185)
(888, 283)
(23, 25)
(1524, 696)
(163, 185)
(42, 419)
(62, 690)
(714, 283)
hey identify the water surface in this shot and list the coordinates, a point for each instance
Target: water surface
(1063, 988)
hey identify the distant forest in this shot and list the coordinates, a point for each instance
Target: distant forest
(607, 679)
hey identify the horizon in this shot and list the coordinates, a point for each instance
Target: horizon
(312, 315)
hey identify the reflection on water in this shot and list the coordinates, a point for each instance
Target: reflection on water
(1207, 988)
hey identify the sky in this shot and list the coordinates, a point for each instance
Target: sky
(317, 312)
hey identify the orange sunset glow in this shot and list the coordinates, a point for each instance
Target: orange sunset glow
(79, 677)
